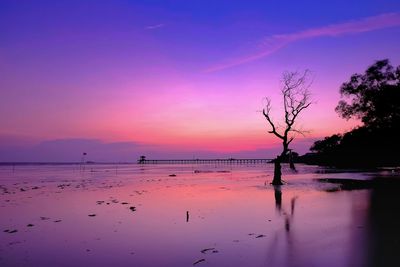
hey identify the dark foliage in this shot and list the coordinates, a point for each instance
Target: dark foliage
(327, 145)
(374, 96)
(375, 99)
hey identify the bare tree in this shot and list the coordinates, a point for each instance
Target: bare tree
(296, 98)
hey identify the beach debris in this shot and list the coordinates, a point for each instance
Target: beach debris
(62, 186)
(44, 218)
(172, 175)
(92, 215)
(30, 225)
(15, 243)
(204, 251)
(99, 202)
(198, 261)
(57, 221)
(210, 171)
(203, 171)
(4, 189)
(259, 236)
(12, 231)
(132, 208)
(187, 216)
(124, 203)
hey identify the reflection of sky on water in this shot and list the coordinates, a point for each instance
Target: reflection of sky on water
(246, 222)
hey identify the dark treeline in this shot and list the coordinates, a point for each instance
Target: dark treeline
(373, 97)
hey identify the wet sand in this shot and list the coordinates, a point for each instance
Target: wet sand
(185, 215)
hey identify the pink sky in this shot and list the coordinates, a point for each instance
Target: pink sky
(167, 82)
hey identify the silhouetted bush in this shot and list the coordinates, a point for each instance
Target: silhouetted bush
(375, 99)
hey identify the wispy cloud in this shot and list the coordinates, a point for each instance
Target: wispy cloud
(156, 26)
(274, 43)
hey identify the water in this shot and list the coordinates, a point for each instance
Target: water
(139, 217)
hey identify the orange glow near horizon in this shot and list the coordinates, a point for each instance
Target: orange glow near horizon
(164, 87)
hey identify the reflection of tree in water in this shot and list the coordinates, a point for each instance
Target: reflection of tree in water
(380, 243)
(384, 225)
(278, 198)
(288, 217)
(276, 243)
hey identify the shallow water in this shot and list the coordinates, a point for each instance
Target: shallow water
(207, 215)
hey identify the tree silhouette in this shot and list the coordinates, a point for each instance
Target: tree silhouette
(374, 96)
(327, 145)
(296, 98)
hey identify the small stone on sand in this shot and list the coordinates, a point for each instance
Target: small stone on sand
(198, 261)
(206, 249)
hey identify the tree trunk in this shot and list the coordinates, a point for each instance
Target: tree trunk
(277, 172)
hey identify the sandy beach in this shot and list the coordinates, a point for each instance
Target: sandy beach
(180, 215)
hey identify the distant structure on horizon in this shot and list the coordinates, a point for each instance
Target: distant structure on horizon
(143, 160)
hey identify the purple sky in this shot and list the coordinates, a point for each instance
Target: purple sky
(118, 79)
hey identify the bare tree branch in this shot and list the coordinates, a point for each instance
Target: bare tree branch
(266, 112)
(296, 98)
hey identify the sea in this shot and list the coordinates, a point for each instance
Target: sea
(193, 215)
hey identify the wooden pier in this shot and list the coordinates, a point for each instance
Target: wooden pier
(203, 161)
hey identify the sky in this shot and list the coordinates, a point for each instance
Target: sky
(176, 79)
